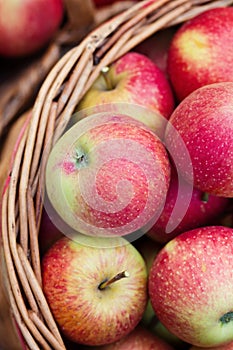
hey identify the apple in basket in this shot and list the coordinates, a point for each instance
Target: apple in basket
(97, 292)
(108, 175)
(134, 79)
(201, 51)
(190, 286)
(27, 25)
(204, 122)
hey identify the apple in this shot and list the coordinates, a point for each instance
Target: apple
(27, 25)
(190, 286)
(108, 175)
(139, 339)
(201, 51)
(135, 79)
(200, 212)
(97, 294)
(204, 121)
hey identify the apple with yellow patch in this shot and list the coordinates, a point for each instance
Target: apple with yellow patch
(201, 51)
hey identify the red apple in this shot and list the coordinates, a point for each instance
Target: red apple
(201, 51)
(204, 121)
(27, 25)
(190, 286)
(108, 175)
(133, 79)
(97, 295)
(139, 339)
(200, 212)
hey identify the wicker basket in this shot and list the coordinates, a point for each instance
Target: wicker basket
(58, 97)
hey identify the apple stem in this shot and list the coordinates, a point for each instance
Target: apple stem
(116, 278)
(104, 72)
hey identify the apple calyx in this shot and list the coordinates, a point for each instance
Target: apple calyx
(226, 318)
(108, 82)
(114, 279)
(80, 159)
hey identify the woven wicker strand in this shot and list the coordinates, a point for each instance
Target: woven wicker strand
(57, 99)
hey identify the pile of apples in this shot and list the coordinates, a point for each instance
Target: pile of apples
(137, 232)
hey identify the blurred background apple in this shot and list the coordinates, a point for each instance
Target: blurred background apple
(27, 25)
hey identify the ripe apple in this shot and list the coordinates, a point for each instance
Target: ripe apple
(201, 51)
(27, 25)
(200, 212)
(190, 286)
(97, 295)
(139, 339)
(135, 79)
(108, 175)
(204, 121)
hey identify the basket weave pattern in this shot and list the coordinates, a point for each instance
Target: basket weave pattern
(58, 97)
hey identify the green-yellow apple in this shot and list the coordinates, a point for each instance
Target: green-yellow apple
(108, 175)
(200, 212)
(190, 286)
(27, 25)
(201, 51)
(204, 122)
(135, 79)
(139, 339)
(97, 295)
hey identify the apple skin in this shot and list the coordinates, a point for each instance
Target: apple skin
(139, 339)
(200, 212)
(27, 25)
(190, 286)
(134, 79)
(201, 51)
(72, 273)
(204, 120)
(112, 179)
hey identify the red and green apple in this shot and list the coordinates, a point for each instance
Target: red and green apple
(190, 286)
(97, 294)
